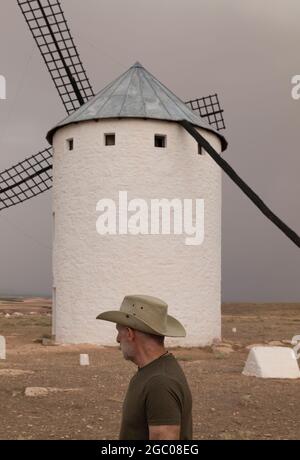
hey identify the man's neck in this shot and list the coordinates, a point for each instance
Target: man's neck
(145, 357)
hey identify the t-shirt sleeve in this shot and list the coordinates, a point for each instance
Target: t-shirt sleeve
(163, 406)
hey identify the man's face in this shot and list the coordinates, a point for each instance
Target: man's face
(124, 338)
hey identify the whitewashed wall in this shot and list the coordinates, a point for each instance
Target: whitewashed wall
(93, 273)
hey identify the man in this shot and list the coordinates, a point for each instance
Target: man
(158, 403)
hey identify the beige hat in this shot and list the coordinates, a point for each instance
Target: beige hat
(146, 314)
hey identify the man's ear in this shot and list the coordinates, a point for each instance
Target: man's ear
(130, 334)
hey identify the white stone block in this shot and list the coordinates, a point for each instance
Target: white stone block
(36, 391)
(84, 360)
(2, 347)
(272, 362)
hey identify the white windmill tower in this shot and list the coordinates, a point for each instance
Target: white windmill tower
(127, 139)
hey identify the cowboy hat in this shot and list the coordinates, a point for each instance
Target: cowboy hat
(145, 314)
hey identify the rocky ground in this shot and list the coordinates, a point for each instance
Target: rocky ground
(45, 394)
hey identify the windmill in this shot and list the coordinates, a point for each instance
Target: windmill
(33, 175)
(48, 25)
(51, 33)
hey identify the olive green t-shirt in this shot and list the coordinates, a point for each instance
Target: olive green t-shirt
(158, 394)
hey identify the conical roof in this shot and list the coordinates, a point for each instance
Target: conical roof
(135, 94)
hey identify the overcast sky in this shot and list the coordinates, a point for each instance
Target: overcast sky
(246, 51)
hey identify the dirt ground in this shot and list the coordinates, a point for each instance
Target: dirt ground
(85, 402)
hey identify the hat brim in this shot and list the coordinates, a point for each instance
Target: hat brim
(173, 327)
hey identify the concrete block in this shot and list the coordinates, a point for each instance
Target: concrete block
(272, 362)
(36, 391)
(84, 360)
(2, 347)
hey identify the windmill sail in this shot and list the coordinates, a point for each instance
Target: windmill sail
(27, 179)
(48, 25)
(51, 33)
(209, 108)
(203, 143)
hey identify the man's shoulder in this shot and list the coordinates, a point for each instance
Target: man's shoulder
(164, 372)
(161, 381)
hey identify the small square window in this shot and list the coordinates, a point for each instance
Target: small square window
(110, 139)
(160, 141)
(70, 144)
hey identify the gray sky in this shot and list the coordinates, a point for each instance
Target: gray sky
(247, 51)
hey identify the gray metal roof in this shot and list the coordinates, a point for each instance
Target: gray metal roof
(135, 94)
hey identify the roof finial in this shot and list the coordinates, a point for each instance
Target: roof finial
(137, 64)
